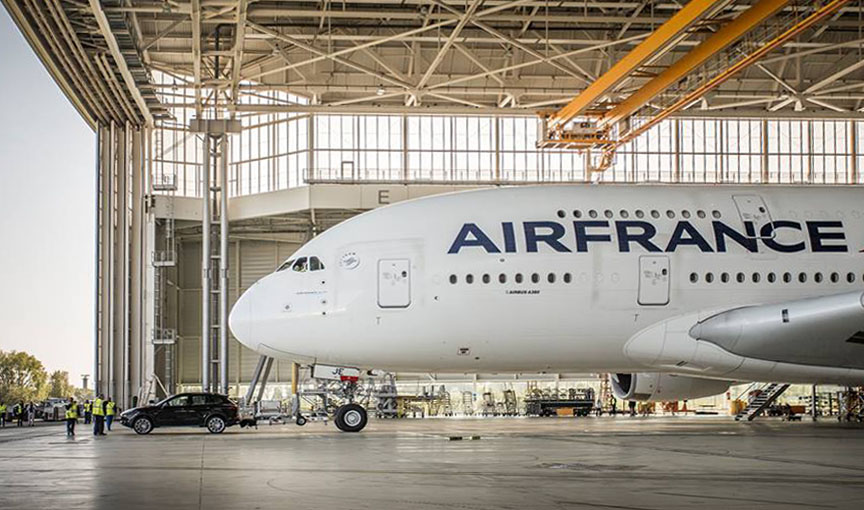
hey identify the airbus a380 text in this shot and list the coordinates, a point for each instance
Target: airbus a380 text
(678, 290)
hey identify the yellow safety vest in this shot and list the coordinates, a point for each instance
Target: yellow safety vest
(110, 408)
(72, 412)
(2, 408)
(97, 407)
(87, 407)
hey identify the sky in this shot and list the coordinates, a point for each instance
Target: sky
(47, 187)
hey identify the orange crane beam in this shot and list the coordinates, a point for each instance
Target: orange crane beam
(716, 43)
(659, 40)
(793, 31)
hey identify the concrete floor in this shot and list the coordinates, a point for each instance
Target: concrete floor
(620, 463)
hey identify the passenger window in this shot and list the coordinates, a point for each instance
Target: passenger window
(315, 264)
(670, 214)
(199, 400)
(772, 277)
(685, 214)
(802, 277)
(655, 214)
(453, 279)
(486, 278)
(592, 213)
(709, 277)
(561, 213)
(286, 265)
(756, 277)
(640, 213)
(301, 265)
(551, 278)
(577, 214)
(716, 214)
(180, 401)
(787, 277)
(469, 278)
(568, 278)
(535, 278)
(502, 278)
(835, 277)
(850, 277)
(817, 277)
(624, 214)
(694, 277)
(724, 277)
(607, 213)
(700, 213)
(518, 277)
(740, 277)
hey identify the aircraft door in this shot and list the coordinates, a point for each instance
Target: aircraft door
(653, 280)
(751, 208)
(394, 283)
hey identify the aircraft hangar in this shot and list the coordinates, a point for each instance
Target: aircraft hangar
(229, 133)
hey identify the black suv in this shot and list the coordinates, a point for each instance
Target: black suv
(186, 409)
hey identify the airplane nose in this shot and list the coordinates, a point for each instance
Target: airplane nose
(241, 319)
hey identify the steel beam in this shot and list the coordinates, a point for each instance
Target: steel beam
(716, 43)
(665, 37)
(224, 230)
(120, 61)
(206, 364)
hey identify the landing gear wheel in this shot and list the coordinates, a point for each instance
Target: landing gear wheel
(350, 418)
(142, 425)
(301, 420)
(216, 424)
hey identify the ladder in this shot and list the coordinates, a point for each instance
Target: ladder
(766, 395)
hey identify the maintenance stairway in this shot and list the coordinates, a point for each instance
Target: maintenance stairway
(765, 397)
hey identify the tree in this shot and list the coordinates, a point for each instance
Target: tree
(59, 385)
(22, 377)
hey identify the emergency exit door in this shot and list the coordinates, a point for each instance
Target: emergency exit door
(394, 283)
(752, 209)
(653, 280)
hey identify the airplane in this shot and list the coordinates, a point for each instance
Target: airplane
(677, 290)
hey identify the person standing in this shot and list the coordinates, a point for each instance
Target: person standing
(88, 409)
(31, 415)
(98, 416)
(109, 412)
(2, 415)
(19, 413)
(71, 417)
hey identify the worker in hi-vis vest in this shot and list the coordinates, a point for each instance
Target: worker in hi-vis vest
(2, 415)
(109, 412)
(88, 412)
(98, 416)
(71, 417)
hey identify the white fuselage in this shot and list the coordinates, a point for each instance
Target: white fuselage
(610, 261)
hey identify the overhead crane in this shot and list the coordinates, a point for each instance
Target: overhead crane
(594, 121)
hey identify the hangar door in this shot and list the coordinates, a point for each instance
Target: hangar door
(653, 280)
(394, 283)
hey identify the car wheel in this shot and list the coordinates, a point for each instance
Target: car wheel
(142, 425)
(216, 424)
(301, 420)
(350, 418)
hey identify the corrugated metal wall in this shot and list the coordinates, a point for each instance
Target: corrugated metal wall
(249, 260)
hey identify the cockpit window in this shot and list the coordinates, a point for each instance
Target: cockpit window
(315, 264)
(286, 265)
(300, 266)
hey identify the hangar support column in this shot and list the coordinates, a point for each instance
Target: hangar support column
(119, 256)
